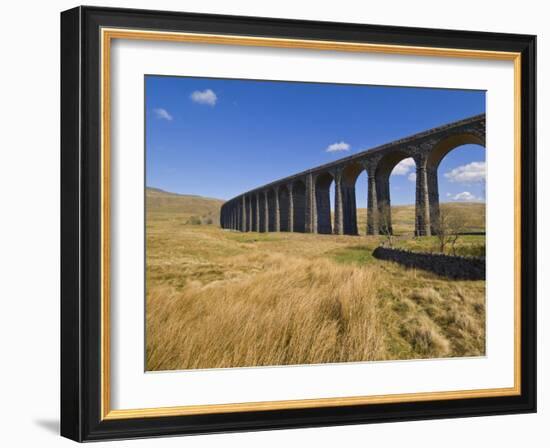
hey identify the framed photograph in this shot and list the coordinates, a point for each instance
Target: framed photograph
(276, 224)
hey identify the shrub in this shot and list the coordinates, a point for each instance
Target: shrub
(194, 221)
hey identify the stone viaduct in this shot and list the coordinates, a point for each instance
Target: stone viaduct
(301, 202)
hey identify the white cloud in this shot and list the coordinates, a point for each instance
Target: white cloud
(465, 196)
(163, 114)
(404, 167)
(467, 174)
(205, 97)
(340, 146)
(412, 177)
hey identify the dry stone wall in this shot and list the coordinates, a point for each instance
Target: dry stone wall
(456, 267)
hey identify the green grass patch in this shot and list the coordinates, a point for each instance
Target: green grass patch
(467, 245)
(360, 255)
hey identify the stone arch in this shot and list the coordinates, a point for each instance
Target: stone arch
(323, 182)
(227, 220)
(239, 205)
(233, 215)
(284, 208)
(262, 212)
(384, 169)
(299, 206)
(239, 213)
(350, 173)
(222, 216)
(447, 144)
(271, 210)
(253, 212)
(435, 156)
(248, 212)
(226, 216)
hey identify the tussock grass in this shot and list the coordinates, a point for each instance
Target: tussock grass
(426, 295)
(295, 312)
(424, 336)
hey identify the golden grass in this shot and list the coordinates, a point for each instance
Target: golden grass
(218, 298)
(294, 312)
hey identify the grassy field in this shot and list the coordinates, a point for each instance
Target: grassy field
(218, 298)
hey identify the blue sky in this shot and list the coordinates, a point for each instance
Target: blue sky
(218, 138)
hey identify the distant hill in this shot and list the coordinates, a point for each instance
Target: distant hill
(183, 206)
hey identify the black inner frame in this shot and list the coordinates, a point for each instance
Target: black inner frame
(80, 224)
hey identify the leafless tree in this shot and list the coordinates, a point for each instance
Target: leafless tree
(448, 227)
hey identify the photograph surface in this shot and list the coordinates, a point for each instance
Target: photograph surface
(292, 223)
